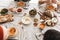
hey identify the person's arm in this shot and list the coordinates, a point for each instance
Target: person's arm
(5, 32)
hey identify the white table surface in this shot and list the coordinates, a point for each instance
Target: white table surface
(29, 30)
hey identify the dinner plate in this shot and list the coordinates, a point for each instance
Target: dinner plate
(18, 34)
(17, 27)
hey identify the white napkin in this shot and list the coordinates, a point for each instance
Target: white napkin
(5, 3)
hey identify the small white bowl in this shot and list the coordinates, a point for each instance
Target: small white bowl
(26, 20)
(17, 9)
(54, 20)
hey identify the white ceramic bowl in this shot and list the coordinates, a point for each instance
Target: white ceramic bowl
(17, 9)
(26, 20)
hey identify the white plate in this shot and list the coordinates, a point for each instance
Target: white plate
(15, 32)
(11, 25)
(18, 28)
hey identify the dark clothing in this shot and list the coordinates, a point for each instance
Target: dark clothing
(51, 35)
